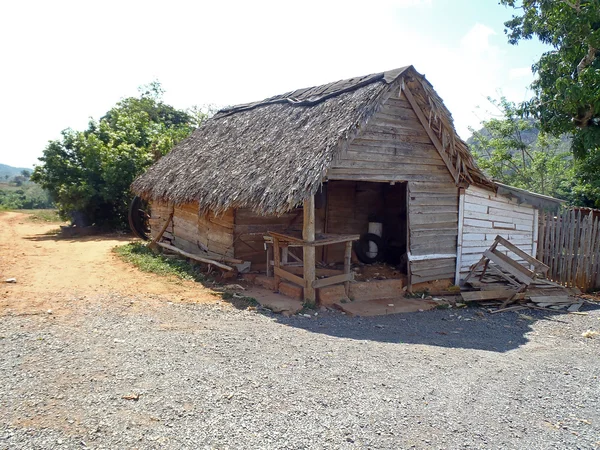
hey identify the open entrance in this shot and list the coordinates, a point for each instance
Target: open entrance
(360, 207)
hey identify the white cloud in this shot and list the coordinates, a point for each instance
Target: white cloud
(67, 68)
(477, 39)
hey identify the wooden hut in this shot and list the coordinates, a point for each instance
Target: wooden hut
(311, 168)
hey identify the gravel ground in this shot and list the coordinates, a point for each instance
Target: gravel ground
(213, 376)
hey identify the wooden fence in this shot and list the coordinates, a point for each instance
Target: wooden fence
(569, 243)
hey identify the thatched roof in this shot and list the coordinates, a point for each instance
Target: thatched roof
(270, 155)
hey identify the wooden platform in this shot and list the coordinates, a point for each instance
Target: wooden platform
(385, 306)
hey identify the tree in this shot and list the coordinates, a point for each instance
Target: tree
(88, 173)
(512, 150)
(26, 174)
(567, 89)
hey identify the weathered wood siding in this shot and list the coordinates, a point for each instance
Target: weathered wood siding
(250, 229)
(487, 215)
(349, 204)
(159, 214)
(394, 146)
(194, 233)
(433, 230)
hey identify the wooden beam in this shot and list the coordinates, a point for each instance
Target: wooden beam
(347, 266)
(536, 229)
(539, 266)
(152, 245)
(284, 255)
(337, 279)
(503, 261)
(495, 294)
(459, 241)
(194, 257)
(436, 143)
(308, 235)
(269, 258)
(276, 262)
(289, 276)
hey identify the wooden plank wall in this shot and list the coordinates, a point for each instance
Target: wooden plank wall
(194, 233)
(159, 213)
(570, 246)
(349, 204)
(433, 230)
(394, 146)
(487, 215)
(250, 229)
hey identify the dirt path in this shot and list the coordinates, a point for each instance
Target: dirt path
(50, 269)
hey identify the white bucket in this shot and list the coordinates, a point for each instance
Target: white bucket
(374, 228)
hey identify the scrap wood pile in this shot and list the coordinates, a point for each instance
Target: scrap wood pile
(499, 280)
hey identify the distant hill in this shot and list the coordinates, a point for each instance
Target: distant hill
(529, 137)
(11, 171)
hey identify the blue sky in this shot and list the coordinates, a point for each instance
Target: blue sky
(62, 62)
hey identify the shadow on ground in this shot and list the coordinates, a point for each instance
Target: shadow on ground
(468, 328)
(122, 237)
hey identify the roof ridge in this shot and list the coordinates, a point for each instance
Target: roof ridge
(296, 98)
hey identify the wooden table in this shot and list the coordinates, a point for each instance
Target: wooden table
(282, 241)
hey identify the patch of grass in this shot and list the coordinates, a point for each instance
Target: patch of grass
(42, 215)
(144, 259)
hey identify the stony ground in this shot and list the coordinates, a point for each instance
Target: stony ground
(119, 370)
(115, 374)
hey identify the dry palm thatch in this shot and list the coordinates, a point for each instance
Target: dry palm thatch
(271, 155)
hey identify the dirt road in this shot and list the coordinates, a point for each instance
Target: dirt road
(126, 360)
(49, 269)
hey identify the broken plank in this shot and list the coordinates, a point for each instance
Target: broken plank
(194, 257)
(496, 294)
(510, 308)
(551, 299)
(520, 273)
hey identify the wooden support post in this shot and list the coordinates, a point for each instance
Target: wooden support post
(284, 256)
(347, 264)
(269, 258)
(276, 259)
(459, 241)
(153, 244)
(308, 234)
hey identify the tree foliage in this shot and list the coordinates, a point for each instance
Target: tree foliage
(88, 173)
(24, 196)
(567, 89)
(510, 149)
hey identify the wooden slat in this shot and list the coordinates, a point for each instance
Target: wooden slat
(308, 235)
(530, 259)
(337, 279)
(430, 133)
(279, 272)
(194, 257)
(495, 294)
(520, 273)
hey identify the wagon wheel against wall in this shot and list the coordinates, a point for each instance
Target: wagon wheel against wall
(139, 215)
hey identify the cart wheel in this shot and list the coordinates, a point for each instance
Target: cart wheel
(139, 213)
